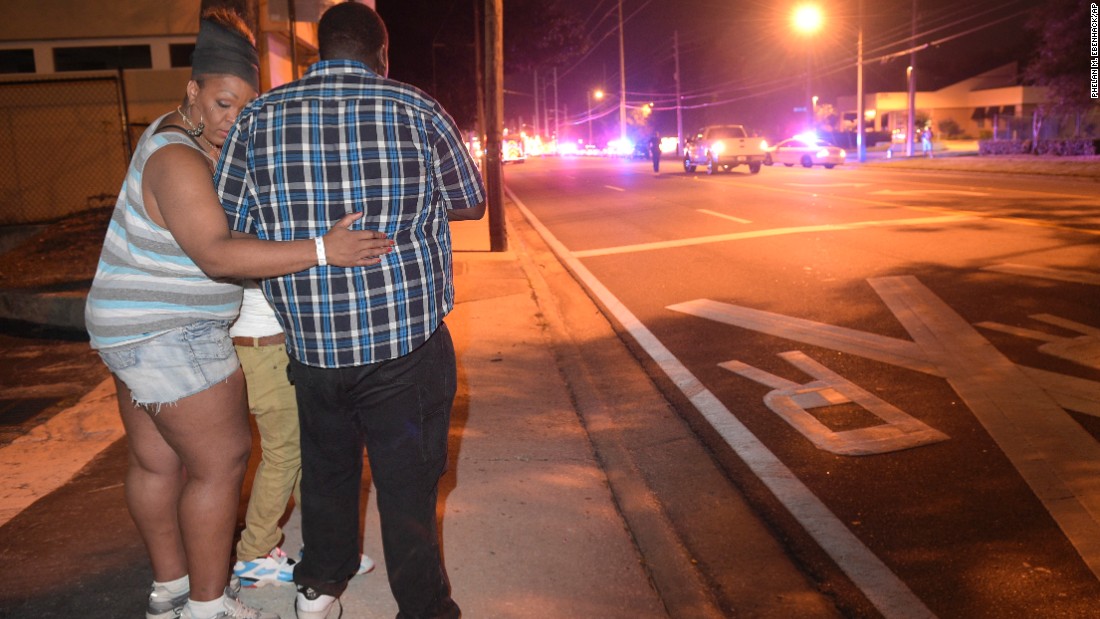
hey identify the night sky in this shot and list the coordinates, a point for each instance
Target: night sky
(740, 59)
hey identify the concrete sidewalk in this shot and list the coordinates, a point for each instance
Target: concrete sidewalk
(574, 489)
(530, 529)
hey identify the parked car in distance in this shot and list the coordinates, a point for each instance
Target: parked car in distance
(805, 151)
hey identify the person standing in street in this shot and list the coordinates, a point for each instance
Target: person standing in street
(371, 358)
(655, 151)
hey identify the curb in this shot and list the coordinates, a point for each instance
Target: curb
(63, 310)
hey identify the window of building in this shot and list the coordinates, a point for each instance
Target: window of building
(16, 61)
(180, 54)
(102, 57)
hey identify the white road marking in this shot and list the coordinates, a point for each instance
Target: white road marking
(1070, 392)
(47, 457)
(1084, 349)
(755, 234)
(1057, 457)
(826, 184)
(1021, 408)
(792, 402)
(881, 586)
(1062, 275)
(724, 216)
(924, 192)
(614, 187)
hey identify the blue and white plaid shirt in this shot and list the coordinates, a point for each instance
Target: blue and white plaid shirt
(343, 139)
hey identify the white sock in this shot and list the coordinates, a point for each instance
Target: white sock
(206, 610)
(174, 587)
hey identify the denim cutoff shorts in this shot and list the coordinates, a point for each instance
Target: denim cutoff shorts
(175, 364)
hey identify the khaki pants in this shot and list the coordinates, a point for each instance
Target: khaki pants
(271, 400)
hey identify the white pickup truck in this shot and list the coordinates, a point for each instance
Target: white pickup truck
(721, 147)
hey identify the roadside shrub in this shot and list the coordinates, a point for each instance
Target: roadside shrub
(1055, 148)
(1004, 147)
(949, 128)
(1066, 148)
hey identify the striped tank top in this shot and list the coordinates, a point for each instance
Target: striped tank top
(144, 283)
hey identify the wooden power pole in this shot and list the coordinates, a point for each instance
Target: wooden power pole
(494, 126)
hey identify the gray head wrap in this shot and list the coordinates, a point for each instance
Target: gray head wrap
(219, 50)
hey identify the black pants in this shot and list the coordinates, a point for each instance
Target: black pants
(401, 410)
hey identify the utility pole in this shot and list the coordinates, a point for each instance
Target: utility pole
(494, 127)
(861, 146)
(292, 22)
(536, 92)
(545, 114)
(911, 78)
(679, 109)
(479, 73)
(622, 79)
(557, 110)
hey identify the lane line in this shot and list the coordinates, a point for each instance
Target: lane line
(971, 214)
(614, 187)
(724, 216)
(878, 583)
(756, 234)
(922, 192)
(1062, 275)
(826, 185)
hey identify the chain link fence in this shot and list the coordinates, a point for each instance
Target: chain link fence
(66, 147)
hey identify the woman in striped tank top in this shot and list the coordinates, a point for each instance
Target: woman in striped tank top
(158, 313)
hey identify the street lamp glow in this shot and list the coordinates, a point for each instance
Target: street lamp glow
(807, 18)
(598, 95)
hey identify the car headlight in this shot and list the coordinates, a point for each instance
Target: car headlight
(763, 145)
(842, 153)
(718, 148)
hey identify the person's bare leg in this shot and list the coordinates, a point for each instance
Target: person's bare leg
(154, 481)
(210, 433)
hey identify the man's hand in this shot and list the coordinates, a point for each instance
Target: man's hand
(355, 248)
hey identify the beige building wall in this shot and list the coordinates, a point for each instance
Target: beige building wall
(970, 103)
(68, 137)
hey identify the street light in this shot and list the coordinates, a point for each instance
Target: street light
(598, 94)
(808, 19)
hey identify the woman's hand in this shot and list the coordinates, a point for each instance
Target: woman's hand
(354, 248)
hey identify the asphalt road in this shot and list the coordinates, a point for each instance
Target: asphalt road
(901, 370)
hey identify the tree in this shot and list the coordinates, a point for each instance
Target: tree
(540, 34)
(1062, 27)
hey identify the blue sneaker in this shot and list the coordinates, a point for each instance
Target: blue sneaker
(273, 569)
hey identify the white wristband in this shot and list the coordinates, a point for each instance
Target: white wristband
(320, 242)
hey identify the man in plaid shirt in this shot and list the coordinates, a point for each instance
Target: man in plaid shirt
(372, 360)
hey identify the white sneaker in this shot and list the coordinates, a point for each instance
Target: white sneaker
(311, 604)
(276, 568)
(165, 605)
(234, 609)
(366, 564)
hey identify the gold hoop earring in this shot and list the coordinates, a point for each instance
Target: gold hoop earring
(193, 131)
